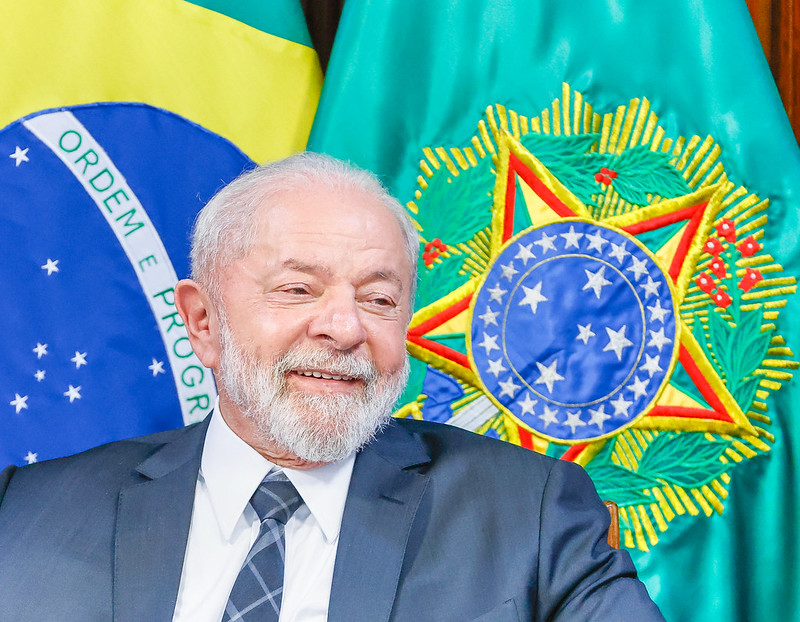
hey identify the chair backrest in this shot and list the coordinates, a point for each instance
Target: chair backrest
(613, 528)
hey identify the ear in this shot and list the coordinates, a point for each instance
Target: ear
(200, 318)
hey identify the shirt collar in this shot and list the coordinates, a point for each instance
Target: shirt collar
(232, 470)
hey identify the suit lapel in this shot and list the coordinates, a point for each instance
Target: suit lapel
(385, 492)
(153, 519)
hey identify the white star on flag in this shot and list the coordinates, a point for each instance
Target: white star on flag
(657, 312)
(20, 155)
(599, 416)
(546, 242)
(621, 406)
(533, 296)
(19, 402)
(596, 241)
(497, 293)
(651, 364)
(525, 253)
(157, 367)
(489, 316)
(548, 375)
(509, 270)
(571, 237)
(508, 387)
(51, 266)
(39, 375)
(79, 359)
(73, 393)
(548, 416)
(585, 333)
(596, 281)
(617, 341)
(638, 386)
(31, 457)
(651, 287)
(40, 350)
(619, 251)
(658, 339)
(639, 268)
(495, 367)
(489, 343)
(526, 405)
(574, 420)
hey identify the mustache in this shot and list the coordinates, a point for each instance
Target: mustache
(331, 362)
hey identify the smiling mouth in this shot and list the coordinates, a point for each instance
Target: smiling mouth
(323, 375)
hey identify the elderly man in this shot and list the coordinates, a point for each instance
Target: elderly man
(299, 498)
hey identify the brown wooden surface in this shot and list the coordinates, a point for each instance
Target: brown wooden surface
(777, 23)
(613, 528)
(322, 17)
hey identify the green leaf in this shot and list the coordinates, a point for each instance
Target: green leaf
(631, 190)
(577, 174)
(744, 392)
(548, 146)
(687, 459)
(454, 208)
(641, 171)
(621, 485)
(721, 337)
(750, 345)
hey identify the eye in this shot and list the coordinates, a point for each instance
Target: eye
(298, 290)
(380, 301)
(294, 290)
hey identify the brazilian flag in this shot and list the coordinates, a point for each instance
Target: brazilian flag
(120, 119)
(608, 196)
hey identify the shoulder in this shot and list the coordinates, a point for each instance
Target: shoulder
(455, 449)
(99, 468)
(442, 438)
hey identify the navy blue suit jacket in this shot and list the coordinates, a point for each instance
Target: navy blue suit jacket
(440, 524)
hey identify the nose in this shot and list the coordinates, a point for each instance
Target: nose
(339, 321)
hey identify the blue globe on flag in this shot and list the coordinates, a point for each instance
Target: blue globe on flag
(98, 202)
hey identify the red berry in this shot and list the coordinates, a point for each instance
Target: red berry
(749, 246)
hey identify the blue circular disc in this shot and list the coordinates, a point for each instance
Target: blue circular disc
(573, 330)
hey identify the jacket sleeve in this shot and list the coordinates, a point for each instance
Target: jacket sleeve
(5, 478)
(580, 576)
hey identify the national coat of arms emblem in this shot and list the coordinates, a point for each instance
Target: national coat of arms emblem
(595, 290)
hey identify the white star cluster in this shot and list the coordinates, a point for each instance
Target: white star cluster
(608, 337)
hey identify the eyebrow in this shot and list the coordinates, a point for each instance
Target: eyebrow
(317, 269)
(301, 266)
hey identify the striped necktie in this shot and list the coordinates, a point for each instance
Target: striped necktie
(257, 592)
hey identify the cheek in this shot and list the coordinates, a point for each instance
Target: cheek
(389, 350)
(279, 326)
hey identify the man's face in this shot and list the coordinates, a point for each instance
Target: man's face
(313, 334)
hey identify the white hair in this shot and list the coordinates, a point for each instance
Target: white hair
(225, 228)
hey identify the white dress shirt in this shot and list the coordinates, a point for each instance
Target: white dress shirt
(224, 527)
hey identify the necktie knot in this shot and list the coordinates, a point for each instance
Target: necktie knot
(276, 498)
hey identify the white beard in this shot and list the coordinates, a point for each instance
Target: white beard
(314, 427)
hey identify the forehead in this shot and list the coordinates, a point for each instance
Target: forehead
(320, 220)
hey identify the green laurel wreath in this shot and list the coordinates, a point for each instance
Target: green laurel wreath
(688, 460)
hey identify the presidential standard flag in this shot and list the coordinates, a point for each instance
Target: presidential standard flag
(120, 119)
(607, 197)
